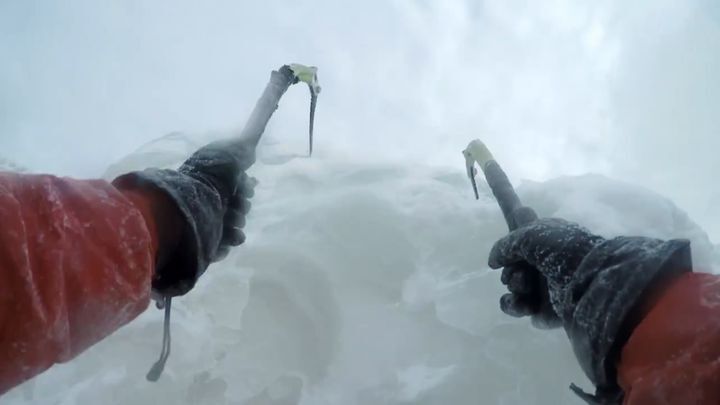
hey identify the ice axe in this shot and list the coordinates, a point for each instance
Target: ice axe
(280, 81)
(245, 146)
(308, 74)
(515, 213)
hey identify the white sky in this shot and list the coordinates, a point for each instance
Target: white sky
(559, 87)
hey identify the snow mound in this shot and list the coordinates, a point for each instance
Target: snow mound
(360, 283)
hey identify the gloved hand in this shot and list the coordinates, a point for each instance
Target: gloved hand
(211, 193)
(222, 166)
(596, 287)
(553, 246)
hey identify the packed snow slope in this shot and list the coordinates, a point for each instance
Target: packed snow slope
(360, 283)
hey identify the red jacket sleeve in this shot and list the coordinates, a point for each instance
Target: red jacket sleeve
(76, 260)
(673, 355)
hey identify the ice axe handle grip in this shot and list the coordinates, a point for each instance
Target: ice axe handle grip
(516, 215)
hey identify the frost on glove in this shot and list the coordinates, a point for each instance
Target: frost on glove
(596, 287)
(211, 191)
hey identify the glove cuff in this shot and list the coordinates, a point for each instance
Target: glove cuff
(201, 208)
(602, 302)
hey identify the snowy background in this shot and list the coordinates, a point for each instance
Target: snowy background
(363, 280)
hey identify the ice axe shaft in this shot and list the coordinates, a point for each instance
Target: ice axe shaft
(280, 81)
(245, 146)
(515, 213)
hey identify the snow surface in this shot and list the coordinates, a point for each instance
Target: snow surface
(361, 283)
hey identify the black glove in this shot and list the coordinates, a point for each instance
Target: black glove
(555, 247)
(595, 286)
(211, 191)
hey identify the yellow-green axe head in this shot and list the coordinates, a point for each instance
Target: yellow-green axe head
(476, 151)
(306, 74)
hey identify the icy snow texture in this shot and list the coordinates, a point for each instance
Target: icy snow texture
(360, 283)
